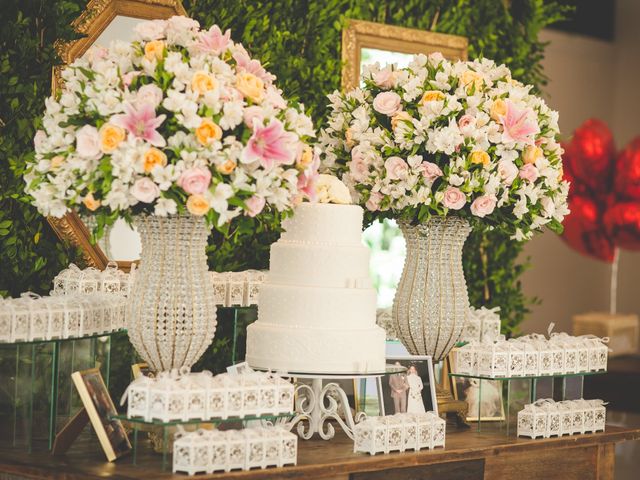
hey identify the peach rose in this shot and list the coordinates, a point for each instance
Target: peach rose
(532, 154)
(480, 157)
(56, 162)
(401, 116)
(387, 103)
(208, 131)
(305, 158)
(154, 50)
(110, 137)
(454, 199)
(498, 109)
(197, 205)
(431, 96)
(226, 167)
(430, 171)
(471, 80)
(484, 205)
(90, 202)
(202, 82)
(153, 157)
(250, 87)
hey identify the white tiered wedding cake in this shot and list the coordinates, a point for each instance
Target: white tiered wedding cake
(317, 309)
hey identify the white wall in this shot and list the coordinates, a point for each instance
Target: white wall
(587, 78)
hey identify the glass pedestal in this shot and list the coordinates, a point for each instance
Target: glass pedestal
(499, 399)
(37, 394)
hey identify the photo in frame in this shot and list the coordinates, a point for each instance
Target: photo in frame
(488, 399)
(140, 369)
(100, 409)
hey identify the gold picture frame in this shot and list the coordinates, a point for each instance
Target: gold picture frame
(96, 17)
(100, 409)
(360, 34)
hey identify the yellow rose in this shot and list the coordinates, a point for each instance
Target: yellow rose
(197, 204)
(348, 137)
(110, 137)
(250, 86)
(208, 131)
(480, 157)
(471, 79)
(90, 202)
(305, 158)
(532, 153)
(154, 49)
(498, 109)
(153, 157)
(202, 82)
(227, 167)
(399, 117)
(431, 96)
(56, 162)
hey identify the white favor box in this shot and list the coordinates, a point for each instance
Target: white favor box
(546, 418)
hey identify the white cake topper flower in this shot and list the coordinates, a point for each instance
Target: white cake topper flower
(330, 189)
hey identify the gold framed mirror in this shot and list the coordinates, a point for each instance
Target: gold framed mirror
(101, 22)
(368, 42)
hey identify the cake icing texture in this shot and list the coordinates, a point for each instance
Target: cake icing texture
(317, 309)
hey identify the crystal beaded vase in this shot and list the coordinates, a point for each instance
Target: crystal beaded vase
(431, 303)
(171, 316)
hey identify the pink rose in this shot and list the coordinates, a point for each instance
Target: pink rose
(150, 94)
(254, 205)
(529, 172)
(195, 180)
(454, 199)
(507, 171)
(251, 114)
(145, 190)
(387, 103)
(396, 168)
(373, 203)
(467, 124)
(151, 30)
(430, 171)
(484, 205)
(358, 166)
(384, 78)
(465, 120)
(88, 143)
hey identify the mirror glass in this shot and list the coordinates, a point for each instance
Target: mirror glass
(120, 242)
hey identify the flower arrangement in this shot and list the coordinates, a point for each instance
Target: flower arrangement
(439, 138)
(180, 120)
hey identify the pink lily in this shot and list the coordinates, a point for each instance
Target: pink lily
(518, 126)
(307, 180)
(141, 122)
(271, 145)
(214, 41)
(245, 62)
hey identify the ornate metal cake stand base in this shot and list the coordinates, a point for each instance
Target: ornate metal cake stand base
(316, 406)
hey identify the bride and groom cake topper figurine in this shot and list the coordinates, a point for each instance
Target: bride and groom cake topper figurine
(406, 391)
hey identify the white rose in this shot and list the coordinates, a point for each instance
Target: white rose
(331, 190)
(387, 103)
(151, 30)
(507, 171)
(149, 94)
(88, 143)
(145, 190)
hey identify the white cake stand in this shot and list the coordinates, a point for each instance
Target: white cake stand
(319, 402)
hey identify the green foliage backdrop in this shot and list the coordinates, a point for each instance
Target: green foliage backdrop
(300, 42)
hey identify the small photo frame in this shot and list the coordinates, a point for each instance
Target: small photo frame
(141, 369)
(99, 406)
(239, 368)
(412, 391)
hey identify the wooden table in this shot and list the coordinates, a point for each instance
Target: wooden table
(468, 455)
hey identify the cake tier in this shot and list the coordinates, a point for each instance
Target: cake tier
(319, 265)
(318, 223)
(315, 350)
(290, 305)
